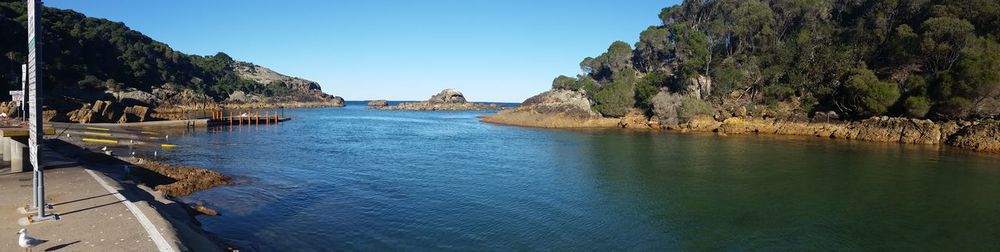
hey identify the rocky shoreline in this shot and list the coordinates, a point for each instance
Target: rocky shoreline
(981, 136)
(187, 180)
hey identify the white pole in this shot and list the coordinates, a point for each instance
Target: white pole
(24, 87)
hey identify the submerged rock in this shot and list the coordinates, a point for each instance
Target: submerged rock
(188, 180)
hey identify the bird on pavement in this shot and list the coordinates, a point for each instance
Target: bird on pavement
(27, 242)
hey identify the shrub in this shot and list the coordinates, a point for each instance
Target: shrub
(865, 95)
(692, 106)
(565, 82)
(649, 86)
(614, 100)
(917, 106)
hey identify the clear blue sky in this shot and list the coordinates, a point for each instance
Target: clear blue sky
(491, 50)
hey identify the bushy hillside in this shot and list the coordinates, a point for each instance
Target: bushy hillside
(918, 58)
(85, 57)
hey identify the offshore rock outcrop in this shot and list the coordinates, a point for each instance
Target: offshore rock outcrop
(556, 108)
(378, 103)
(446, 100)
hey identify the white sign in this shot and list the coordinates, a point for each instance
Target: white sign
(17, 95)
(34, 84)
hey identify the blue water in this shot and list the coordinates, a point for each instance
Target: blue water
(356, 179)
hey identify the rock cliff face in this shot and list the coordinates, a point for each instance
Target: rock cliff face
(302, 90)
(267, 76)
(448, 99)
(108, 112)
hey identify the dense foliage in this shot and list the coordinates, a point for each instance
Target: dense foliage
(86, 56)
(918, 58)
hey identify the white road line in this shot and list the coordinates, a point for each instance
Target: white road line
(161, 243)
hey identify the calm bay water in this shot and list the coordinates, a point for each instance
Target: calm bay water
(354, 179)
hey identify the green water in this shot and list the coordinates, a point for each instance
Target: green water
(354, 179)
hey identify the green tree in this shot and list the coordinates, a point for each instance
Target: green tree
(564, 82)
(865, 95)
(653, 49)
(943, 40)
(615, 99)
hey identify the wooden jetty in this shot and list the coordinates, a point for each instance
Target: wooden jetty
(219, 118)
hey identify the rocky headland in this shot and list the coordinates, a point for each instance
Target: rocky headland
(174, 102)
(446, 100)
(686, 112)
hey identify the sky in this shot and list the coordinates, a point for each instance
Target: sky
(491, 50)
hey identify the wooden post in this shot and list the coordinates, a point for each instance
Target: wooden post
(230, 118)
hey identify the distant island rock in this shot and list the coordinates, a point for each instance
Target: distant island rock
(378, 103)
(448, 100)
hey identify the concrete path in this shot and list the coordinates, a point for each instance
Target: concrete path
(96, 213)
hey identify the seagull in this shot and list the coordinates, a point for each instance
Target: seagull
(105, 148)
(27, 242)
